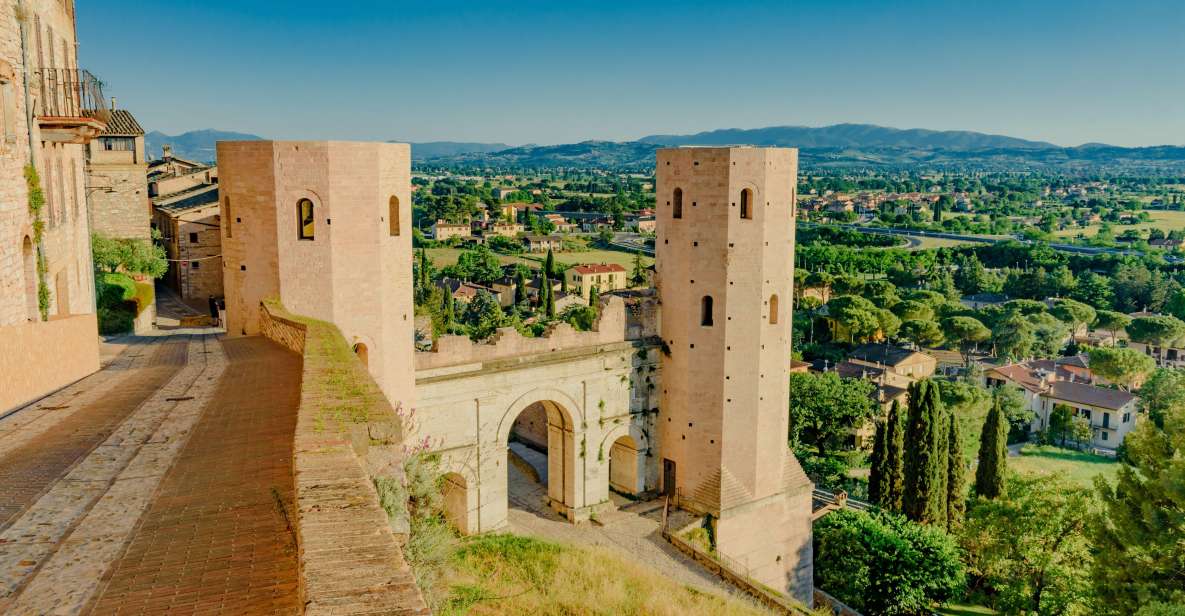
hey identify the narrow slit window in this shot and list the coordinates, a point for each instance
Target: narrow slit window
(393, 213)
(230, 230)
(304, 209)
(747, 203)
(705, 318)
(773, 310)
(677, 200)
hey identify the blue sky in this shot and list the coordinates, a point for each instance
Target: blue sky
(1065, 71)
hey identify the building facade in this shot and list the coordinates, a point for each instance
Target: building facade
(117, 179)
(49, 110)
(724, 259)
(185, 209)
(582, 279)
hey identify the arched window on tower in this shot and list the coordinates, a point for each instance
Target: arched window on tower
(773, 309)
(393, 213)
(677, 203)
(747, 203)
(304, 219)
(705, 316)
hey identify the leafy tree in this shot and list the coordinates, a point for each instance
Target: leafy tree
(580, 317)
(1162, 393)
(911, 309)
(1072, 313)
(944, 283)
(1094, 290)
(1175, 305)
(1112, 321)
(1014, 337)
(1121, 366)
(886, 477)
(847, 284)
(638, 276)
(966, 332)
(478, 264)
(1158, 331)
(824, 408)
(1061, 423)
(881, 293)
(993, 453)
(134, 256)
(922, 333)
(449, 310)
(856, 315)
(1028, 548)
(887, 323)
(924, 495)
(1050, 334)
(1026, 307)
(549, 265)
(956, 477)
(878, 471)
(483, 315)
(520, 287)
(881, 563)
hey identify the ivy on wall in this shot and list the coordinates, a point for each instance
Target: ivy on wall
(36, 204)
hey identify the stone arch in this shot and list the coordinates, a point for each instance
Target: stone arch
(564, 441)
(677, 203)
(29, 267)
(624, 450)
(747, 203)
(363, 353)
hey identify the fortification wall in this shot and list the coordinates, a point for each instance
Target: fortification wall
(617, 322)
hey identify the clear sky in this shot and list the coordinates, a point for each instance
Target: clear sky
(1065, 71)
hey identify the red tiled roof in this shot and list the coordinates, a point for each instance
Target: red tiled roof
(597, 269)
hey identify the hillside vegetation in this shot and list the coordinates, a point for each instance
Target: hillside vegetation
(508, 574)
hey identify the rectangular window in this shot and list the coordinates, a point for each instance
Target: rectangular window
(1104, 435)
(192, 238)
(305, 211)
(119, 144)
(195, 264)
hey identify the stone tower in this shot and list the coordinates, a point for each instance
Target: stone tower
(325, 226)
(725, 275)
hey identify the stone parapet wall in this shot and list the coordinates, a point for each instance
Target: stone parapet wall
(347, 434)
(37, 358)
(616, 322)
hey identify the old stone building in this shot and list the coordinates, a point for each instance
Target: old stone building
(47, 116)
(186, 212)
(117, 178)
(724, 258)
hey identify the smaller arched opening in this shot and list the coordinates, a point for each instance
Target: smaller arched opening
(623, 466)
(773, 309)
(304, 219)
(705, 311)
(363, 354)
(227, 221)
(29, 265)
(747, 203)
(393, 215)
(540, 453)
(454, 491)
(677, 203)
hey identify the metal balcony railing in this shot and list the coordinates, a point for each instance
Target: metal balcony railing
(68, 93)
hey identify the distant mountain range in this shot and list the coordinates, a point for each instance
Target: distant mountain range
(841, 145)
(195, 145)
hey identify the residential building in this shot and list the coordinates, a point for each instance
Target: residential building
(442, 230)
(567, 300)
(543, 243)
(899, 361)
(117, 179)
(503, 229)
(604, 277)
(1112, 412)
(464, 291)
(502, 193)
(51, 109)
(641, 224)
(189, 223)
(170, 175)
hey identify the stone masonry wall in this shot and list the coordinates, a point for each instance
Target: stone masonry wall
(29, 372)
(346, 434)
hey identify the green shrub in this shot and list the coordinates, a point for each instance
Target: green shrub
(883, 564)
(117, 320)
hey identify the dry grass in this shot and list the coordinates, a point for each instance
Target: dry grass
(508, 574)
(1165, 220)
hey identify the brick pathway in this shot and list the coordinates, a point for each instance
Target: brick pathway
(216, 538)
(28, 470)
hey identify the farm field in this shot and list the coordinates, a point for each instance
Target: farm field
(1165, 220)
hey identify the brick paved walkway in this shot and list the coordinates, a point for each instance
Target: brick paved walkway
(217, 539)
(28, 470)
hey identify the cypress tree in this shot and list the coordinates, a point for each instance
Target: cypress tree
(894, 459)
(449, 315)
(956, 478)
(924, 496)
(550, 298)
(878, 478)
(520, 287)
(993, 454)
(549, 265)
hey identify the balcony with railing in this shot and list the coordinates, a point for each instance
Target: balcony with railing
(69, 106)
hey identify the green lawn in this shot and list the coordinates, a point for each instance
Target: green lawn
(938, 242)
(1079, 466)
(1161, 219)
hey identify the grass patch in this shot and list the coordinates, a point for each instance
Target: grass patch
(508, 574)
(1078, 466)
(442, 257)
(955, 609)
(1165, 220)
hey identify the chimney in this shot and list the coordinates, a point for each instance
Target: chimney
(112, 103)
(167, 151)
